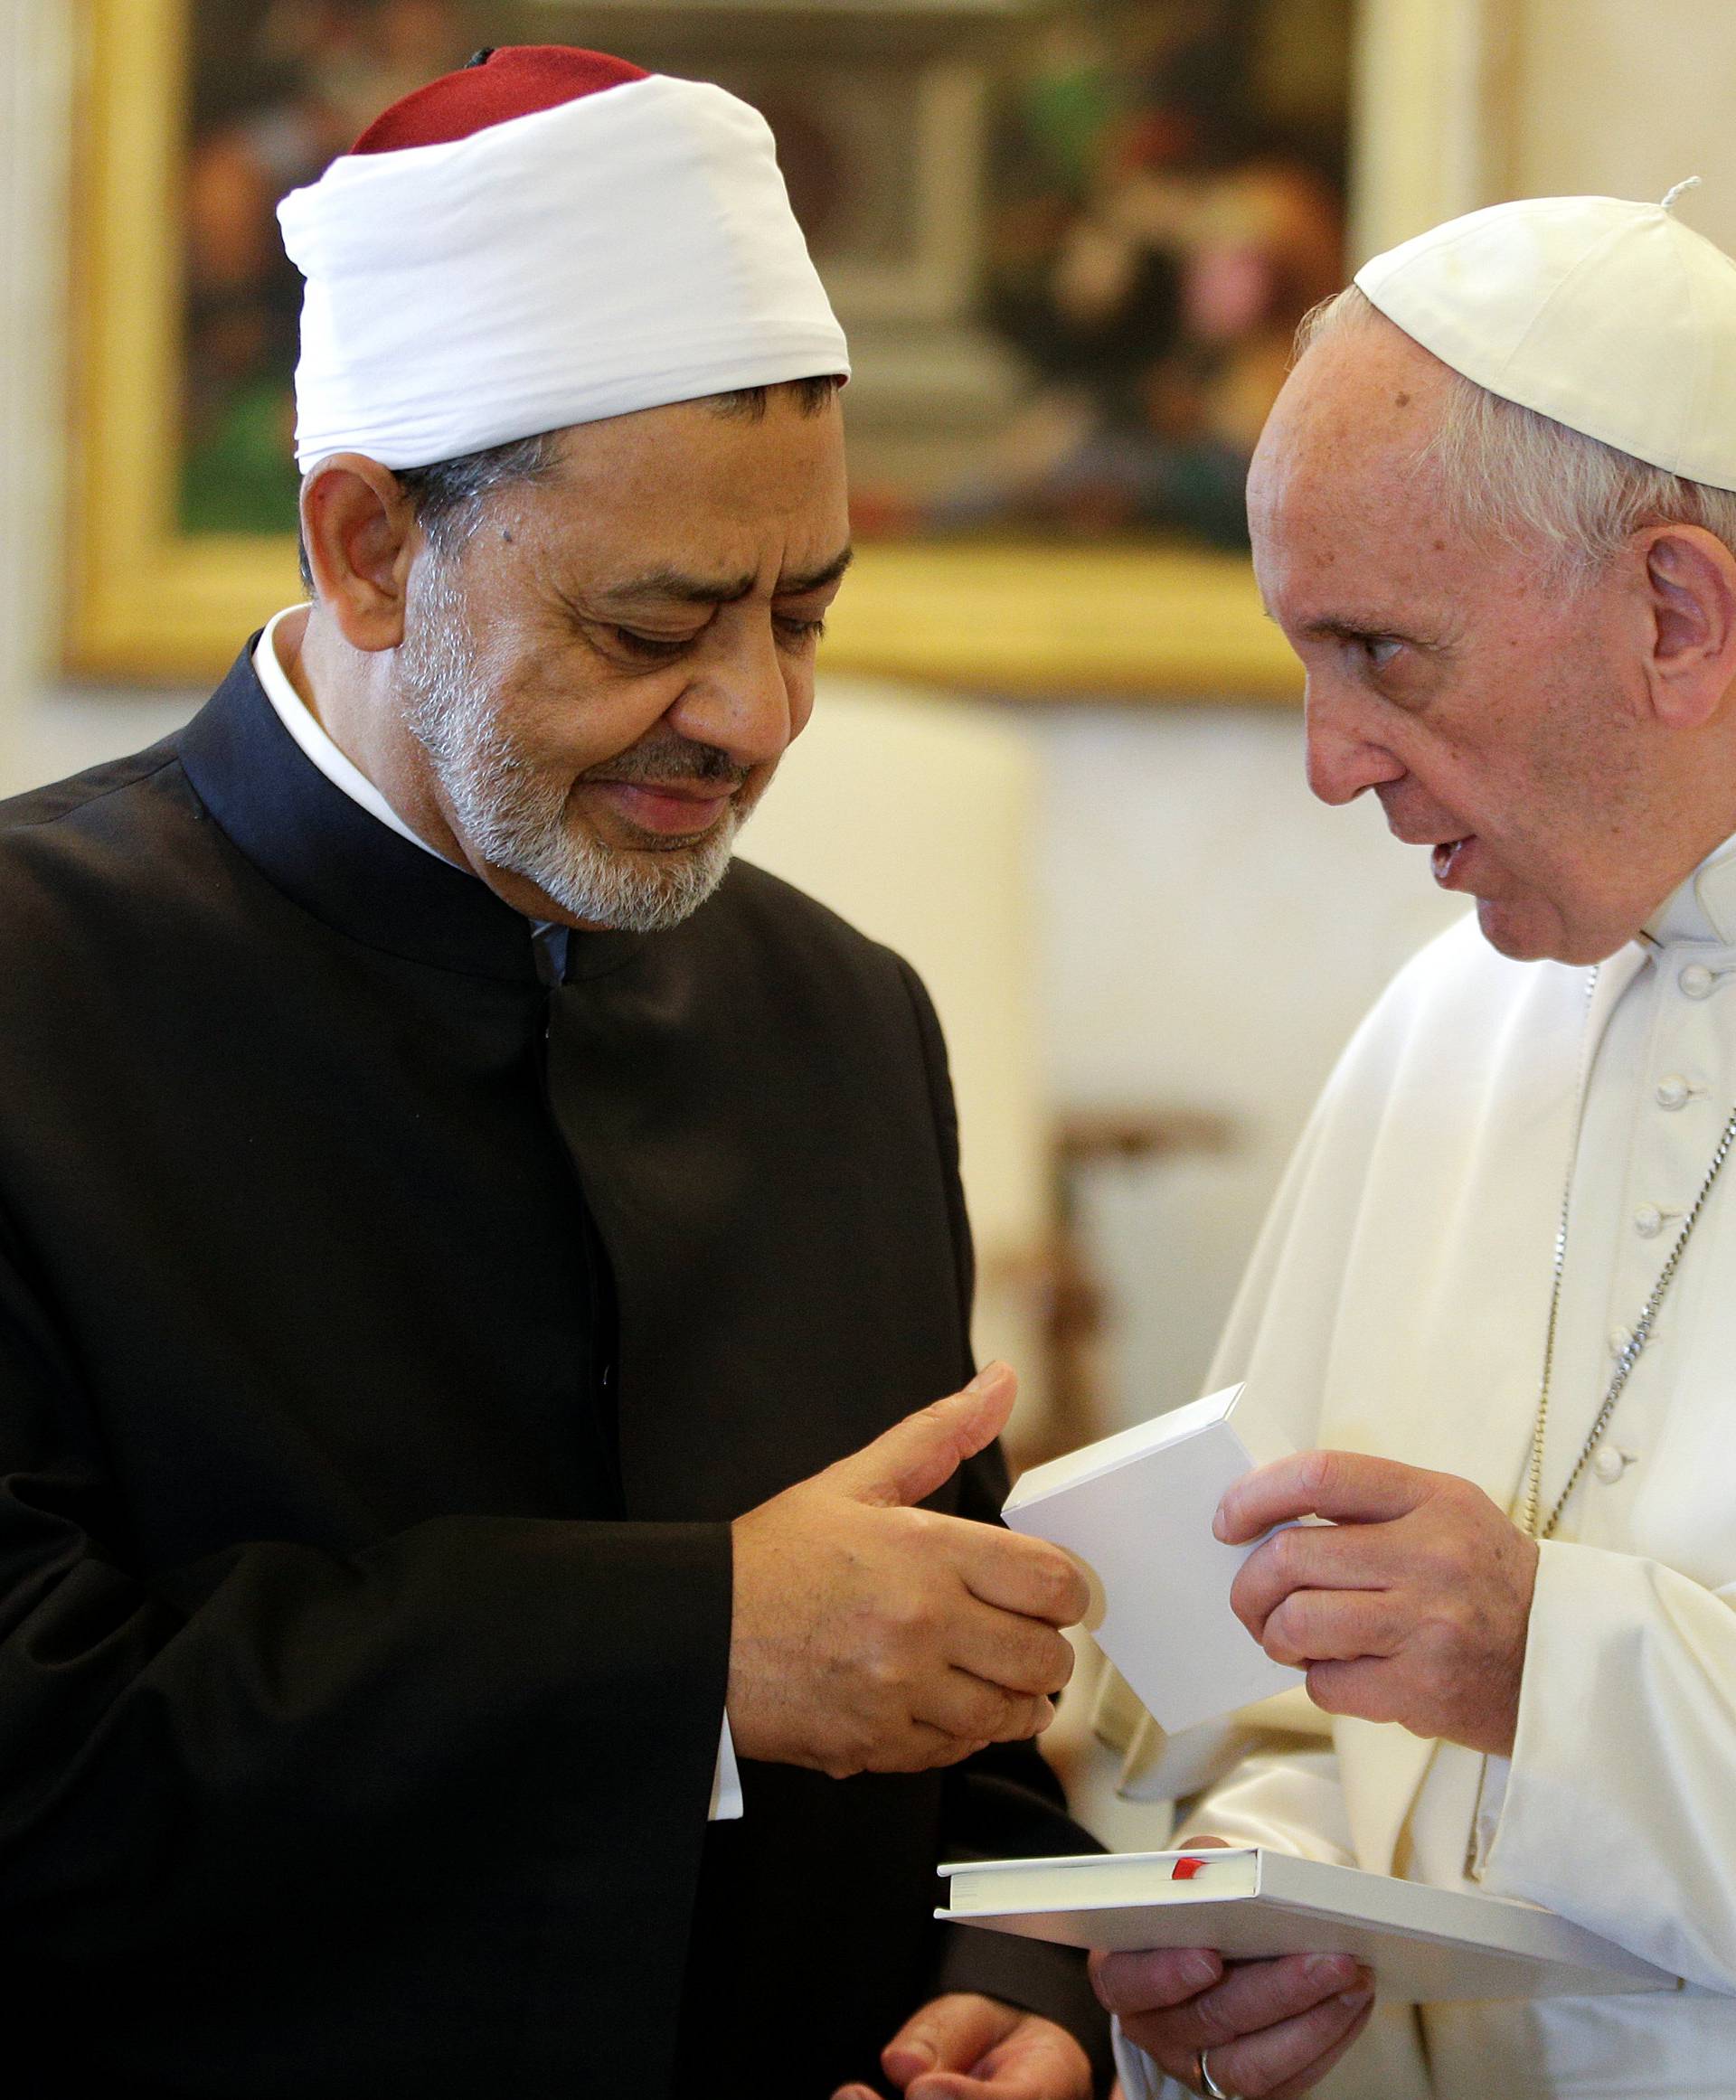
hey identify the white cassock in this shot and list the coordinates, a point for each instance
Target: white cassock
(1397, 1303)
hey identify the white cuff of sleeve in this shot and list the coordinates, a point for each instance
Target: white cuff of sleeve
(1140, 2077)
(1491, 1798)
(726, 1781)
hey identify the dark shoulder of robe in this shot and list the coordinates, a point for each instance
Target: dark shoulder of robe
(369, 1430)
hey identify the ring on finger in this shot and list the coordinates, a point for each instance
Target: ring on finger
(1209, 2085)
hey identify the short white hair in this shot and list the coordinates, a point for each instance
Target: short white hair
(1517, 478)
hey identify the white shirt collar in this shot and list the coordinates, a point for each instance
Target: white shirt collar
(295, 716)
(342, 773)
(1703, 909)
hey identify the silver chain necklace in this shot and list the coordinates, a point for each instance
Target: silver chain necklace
(1635, 1346)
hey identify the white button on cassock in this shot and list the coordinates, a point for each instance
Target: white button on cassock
(1609, 1465)
(1619, 1337)
(1674, 1091)
(1696, 980)
(1649, 1221)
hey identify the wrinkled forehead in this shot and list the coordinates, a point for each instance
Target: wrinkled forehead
(693, 473)
(684, 504)
(1358, 412)
(1342, 473)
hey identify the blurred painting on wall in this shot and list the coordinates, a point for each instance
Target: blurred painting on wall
(1070, 240)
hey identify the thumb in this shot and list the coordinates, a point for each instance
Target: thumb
(953, 2033)
(923, 1451)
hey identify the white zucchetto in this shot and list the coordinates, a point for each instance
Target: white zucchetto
(549, 237)
(1612, 317)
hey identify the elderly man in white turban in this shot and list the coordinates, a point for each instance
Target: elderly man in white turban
(467, 1253)
(1493, 512)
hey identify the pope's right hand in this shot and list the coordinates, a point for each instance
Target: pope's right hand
(870, 1635)
(1271, 2029)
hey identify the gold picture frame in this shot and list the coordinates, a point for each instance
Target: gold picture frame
(149, 602)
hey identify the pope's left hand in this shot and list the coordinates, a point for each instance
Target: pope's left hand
(967, 2048)
(1412, 1606)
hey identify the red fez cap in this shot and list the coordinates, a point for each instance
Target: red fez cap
(495, 87)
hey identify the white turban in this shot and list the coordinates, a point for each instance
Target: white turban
(1612, 317)
(629, 248)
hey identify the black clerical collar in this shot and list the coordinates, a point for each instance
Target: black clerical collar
(343, 865)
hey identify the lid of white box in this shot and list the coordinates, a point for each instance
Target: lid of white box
(1092, 1460)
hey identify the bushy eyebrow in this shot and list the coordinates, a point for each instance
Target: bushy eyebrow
(1350, 628)
(688, 589)
(1345, 628)
(815, 578)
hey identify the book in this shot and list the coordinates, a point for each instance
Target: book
(1136, 1508)
(1424, 1946)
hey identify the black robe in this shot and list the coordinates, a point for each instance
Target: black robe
(387, 1339)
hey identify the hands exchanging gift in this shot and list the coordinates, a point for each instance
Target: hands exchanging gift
(1408, 1605)
(871, 1635)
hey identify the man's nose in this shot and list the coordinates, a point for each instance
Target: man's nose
(740, 699)
(1344, 759)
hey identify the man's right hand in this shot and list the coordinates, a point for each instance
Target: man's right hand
(871, 1635)
(1270, 2028)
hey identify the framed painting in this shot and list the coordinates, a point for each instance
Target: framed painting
(1070, 239)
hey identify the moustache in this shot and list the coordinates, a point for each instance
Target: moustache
(666, 760)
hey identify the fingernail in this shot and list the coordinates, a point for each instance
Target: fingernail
(1199, 1970)
(990, 1374)
(1354, 2001)
(1331, 1969)
(909, 2060)
(1219, 1524)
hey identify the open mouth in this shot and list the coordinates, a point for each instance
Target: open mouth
(1446, 856)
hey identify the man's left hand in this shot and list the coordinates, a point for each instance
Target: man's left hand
(967, 2048)
(1411, 1606)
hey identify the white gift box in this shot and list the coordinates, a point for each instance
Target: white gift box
(1137, 1508)
(1424, 1946)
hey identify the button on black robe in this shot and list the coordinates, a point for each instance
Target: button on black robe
(386, 1342)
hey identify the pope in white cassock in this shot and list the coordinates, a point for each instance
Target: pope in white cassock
(1498, 1294)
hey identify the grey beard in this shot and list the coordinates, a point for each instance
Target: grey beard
(514, 815)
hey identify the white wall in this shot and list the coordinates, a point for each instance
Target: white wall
(1623, 99)
(1211, 935)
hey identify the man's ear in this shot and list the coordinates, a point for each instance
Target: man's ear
(1690, 581)
(360, 533)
